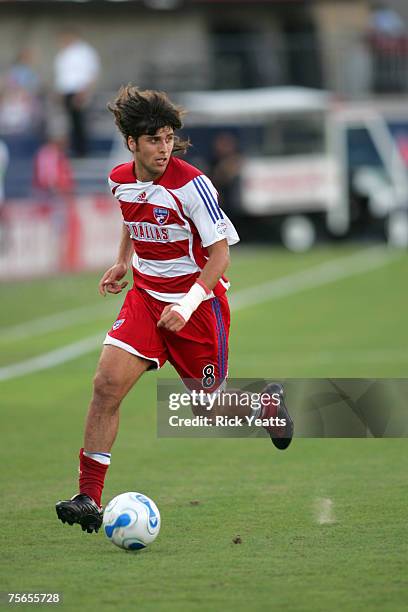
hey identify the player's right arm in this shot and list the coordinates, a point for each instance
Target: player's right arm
(110, 280)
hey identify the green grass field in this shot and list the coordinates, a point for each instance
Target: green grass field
(288, 556)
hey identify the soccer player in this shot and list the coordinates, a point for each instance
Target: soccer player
(177, 239)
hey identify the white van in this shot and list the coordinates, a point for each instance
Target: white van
(308, 157)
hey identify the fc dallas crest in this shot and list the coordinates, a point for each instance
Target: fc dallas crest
(161, 215)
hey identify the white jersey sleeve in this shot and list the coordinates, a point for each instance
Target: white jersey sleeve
(200, 203)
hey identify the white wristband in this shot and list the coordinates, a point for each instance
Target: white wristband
(191, 301)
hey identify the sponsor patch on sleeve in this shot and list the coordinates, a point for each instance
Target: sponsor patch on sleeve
(221, 227)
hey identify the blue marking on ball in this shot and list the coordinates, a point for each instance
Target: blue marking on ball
(153, 520)
(122, 521)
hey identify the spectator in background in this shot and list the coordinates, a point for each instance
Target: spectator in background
(53, 186)
(76, 70)
(20, 96)
(389, 47)
(23, 74)
(385, 21)
(225, 171)
(52, 169)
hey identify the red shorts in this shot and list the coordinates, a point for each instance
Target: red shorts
(199, 351)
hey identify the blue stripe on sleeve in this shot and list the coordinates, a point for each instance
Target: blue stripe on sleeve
(206, 200)
(211, 197)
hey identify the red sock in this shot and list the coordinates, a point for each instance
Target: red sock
(91, 477)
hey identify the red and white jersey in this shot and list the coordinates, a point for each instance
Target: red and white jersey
(171, 222)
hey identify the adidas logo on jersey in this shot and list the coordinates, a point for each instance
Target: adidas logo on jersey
(142, 197)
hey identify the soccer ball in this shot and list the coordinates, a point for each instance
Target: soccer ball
(131, 521)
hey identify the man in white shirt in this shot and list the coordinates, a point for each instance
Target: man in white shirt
(76, 70)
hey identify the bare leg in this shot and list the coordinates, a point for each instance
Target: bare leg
(116, 374)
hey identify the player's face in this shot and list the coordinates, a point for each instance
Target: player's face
(152, 153)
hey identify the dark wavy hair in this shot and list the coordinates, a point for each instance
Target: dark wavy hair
(139, 112)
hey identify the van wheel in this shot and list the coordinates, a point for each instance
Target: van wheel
(397, 229)
(298, 233)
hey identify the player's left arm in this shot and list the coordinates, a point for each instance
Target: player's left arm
(217, 264)
(200, 202)
(175, 316)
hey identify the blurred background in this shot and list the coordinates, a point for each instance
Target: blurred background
(297, 111)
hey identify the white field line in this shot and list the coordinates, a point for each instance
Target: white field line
(274, 289)
(52, 358)
(316, 276)
(310, 278)
(52, 322)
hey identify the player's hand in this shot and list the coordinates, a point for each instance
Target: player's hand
(171, 320)
(110, 280)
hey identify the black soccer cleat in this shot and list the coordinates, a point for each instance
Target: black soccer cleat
(280, 436)
(80, 509)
